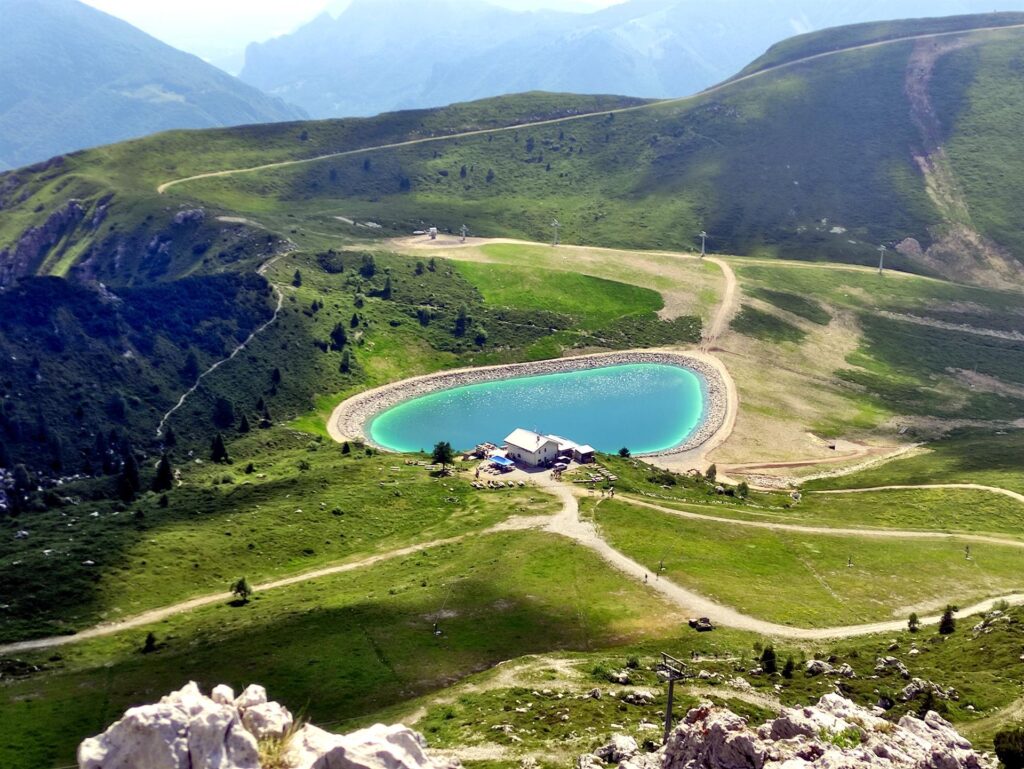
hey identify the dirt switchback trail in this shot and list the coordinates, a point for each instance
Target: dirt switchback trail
(975, 486)
(199, 380)
(567, 523)
(162, 188)
(831, 531)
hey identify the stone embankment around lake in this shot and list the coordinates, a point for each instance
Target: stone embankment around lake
(351, 419)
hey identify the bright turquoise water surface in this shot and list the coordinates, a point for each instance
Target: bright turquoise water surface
(646, 407)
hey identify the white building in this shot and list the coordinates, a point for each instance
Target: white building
(530, 448)
(535, 449)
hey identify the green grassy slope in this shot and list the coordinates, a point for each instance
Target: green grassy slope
(813, 161)
(827, 40)
(760, 165)
(339, 648)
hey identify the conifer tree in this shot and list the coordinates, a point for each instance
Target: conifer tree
(218, 451)
(346, 361)
(164, 480)
(243, 425)
(947, 624)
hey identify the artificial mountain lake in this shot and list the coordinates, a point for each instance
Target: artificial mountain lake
(646, 407)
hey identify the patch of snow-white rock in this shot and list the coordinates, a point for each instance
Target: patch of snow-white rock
(188, 730)
(834, 734)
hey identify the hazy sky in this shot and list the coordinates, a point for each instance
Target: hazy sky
(215, 29)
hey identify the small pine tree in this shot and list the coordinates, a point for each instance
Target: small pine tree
(242, 589)
(787, 669)
(1009, 745)
(297, 279)
(22, 478)
(346, 448)
(387, 290)
(743, 490)
(368, 266)
(346, 362)
(339, 337)
(218, 451)
(243, 425)
(913, 624)
(354, 323)
(624, 452)
(711, 474)
(432, 264)
(130, 469)
(769, 662)
(265, 421)
(490, 175)
(223, 413)
(443, 454)
(190, 370)
(947, 624)
(462, 322)
(275, 377)
(150, 644)
(164, 480)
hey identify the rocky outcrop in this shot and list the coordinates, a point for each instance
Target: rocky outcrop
(36, 242)
(834, 734)
(188, 730)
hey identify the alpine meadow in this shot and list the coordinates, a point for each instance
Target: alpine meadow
(200, 328)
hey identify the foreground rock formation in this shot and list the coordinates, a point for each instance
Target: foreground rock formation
(834, 734)
(188, 730)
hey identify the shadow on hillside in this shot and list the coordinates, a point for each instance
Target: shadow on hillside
(333, 665)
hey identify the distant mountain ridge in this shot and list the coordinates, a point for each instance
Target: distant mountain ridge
(73, 77)
(382, 55)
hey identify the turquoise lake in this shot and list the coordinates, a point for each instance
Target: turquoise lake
(645, 407)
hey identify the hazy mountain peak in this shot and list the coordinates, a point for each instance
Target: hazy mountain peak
(72, 77)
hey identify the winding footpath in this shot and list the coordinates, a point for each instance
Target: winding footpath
(199, 380)
(567, 523)
(972, 486)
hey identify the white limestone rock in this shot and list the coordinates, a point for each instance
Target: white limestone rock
(223, 695)
(834, 734)
(378, 747)
(621, 747)
(268, 719)
(183, 730)
(253, 695)
(187, 730)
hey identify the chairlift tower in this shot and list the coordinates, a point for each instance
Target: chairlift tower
(881, 258)
(556, 226)
(703, 243)
(676, 671)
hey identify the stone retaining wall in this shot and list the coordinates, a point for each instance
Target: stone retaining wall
(352, 418)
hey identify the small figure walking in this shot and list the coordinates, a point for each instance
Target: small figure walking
(437, 630)
(849, 562)
(967, 552)
(645, 578)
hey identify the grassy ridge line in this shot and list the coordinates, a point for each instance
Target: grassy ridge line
(162, 188)
(874, 32)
